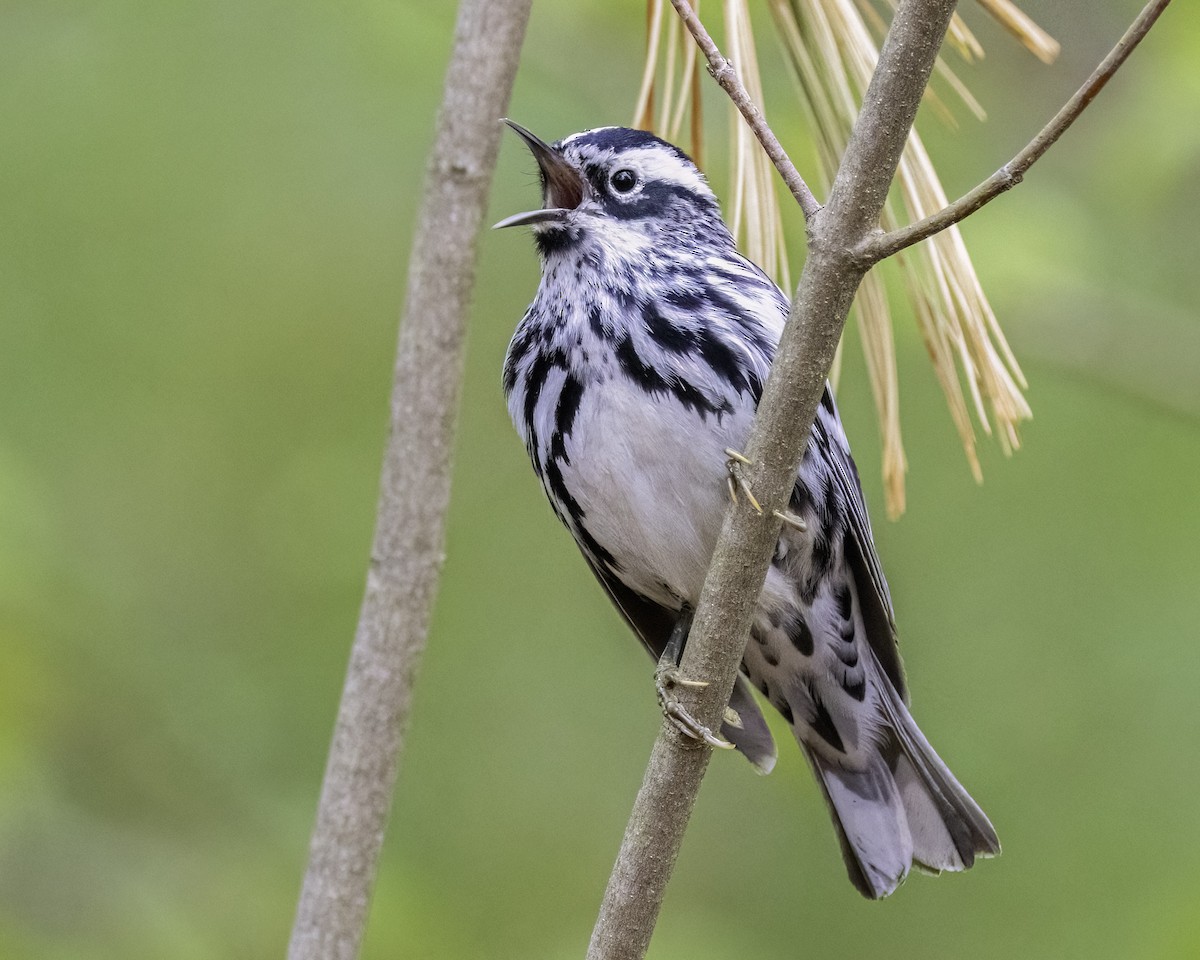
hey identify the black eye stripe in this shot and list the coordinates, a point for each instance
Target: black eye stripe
(657, 200)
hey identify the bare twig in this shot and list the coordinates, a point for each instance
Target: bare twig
(832, 272)
(883, 245)
(406, 555)
(723, 72)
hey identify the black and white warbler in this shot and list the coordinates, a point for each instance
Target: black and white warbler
(631, 379)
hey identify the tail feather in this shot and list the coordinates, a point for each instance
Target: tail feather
(935, 798)
(872, 829)
(906, 808)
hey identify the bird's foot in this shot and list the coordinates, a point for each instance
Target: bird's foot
(737, 482)
(666, 680)
(791, 520)
(734, 465)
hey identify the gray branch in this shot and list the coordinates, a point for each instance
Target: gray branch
(831, 276)
(407, 552)
(883, 245)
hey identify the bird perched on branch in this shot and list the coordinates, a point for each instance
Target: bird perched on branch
(633, 379)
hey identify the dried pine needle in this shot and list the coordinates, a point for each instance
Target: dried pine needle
(830, 48)
(1036, 40)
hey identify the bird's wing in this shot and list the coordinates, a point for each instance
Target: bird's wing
(873, 591)
(760, 334)
(653, 624)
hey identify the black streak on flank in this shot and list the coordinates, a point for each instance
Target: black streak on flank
(644, 375)
(651, 381)
(669, 336)
(535, 380)
(800, 634)
(731, 363)
(857, 690)
(845, 601)
(822, 557)
(564, 417)
(823, 726)
(725, 360)
(688, 301)
(785, 711)
(821, 552)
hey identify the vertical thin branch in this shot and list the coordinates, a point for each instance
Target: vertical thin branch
(735, 577)
(406, 555)
(723, 72)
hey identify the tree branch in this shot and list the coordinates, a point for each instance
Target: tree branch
(723, 72)
(883, 245)
(832, 272)
(406, 555)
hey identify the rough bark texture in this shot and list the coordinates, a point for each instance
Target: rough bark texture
(407, 552)
(831, 276)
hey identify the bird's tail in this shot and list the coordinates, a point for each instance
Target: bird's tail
(906, 808)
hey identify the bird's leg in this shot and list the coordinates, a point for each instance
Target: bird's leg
(736, 481)
(667, 678)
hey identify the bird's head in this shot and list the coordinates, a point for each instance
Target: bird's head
(621, 189)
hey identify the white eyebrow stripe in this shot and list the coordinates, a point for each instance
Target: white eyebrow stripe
(657, 163)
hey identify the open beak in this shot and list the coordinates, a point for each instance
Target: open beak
(561, 183)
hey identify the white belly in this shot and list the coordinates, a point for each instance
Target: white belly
(650, 477)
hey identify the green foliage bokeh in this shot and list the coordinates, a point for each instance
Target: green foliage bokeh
(204, 219)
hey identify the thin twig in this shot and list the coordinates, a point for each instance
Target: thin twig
(832, 273)
(406, 555)
(883, 245)
(723, 72)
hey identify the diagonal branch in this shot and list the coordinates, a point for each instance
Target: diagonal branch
(832, 272)
(884, 245)
(406, 555)
(723, 72)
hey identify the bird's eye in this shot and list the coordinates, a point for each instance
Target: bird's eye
(623, 180)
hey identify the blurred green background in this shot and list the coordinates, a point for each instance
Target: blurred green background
(204, 217)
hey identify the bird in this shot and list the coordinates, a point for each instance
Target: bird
(632, 379)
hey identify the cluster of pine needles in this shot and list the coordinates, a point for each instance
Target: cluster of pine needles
(831, 48)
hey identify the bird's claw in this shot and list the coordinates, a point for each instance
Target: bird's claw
(737, 481)
(666, 678)
(791, 520)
